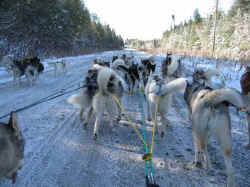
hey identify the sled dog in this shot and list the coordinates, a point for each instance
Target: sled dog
(166, 86)
(245, 88)
(210, 116)
(58, 66)
(96, 96)
(12, 148)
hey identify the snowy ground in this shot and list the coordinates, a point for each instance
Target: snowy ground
(59, 152)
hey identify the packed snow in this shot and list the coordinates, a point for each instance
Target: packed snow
(59, 152)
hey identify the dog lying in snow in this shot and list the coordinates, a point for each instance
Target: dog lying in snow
(99, 84)
(166, 87)
(245, 87)
(12, 148)
(58, 66)
(210, 116)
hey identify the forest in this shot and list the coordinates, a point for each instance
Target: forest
(52, 28)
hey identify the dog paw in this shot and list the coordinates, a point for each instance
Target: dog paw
(197, 164)
(118, 118)
(95, 137)
(162, 134)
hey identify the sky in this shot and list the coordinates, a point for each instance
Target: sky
(148, 19)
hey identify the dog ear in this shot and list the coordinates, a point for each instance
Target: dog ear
(13, 124)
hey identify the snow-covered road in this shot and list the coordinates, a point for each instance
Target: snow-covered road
(59, 152)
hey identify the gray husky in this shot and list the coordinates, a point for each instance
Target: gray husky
(210, 116)
(11, 148)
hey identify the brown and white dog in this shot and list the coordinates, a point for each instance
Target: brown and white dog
(210, 116)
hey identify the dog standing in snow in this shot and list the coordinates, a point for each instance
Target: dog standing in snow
(245, 87)
(58, 66)
(210, 116)
(30, 67)
(100, 84)
(166, 87)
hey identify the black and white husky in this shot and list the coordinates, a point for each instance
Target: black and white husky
(128, 72)
(102, 86)
(210, 116)
(30, 67)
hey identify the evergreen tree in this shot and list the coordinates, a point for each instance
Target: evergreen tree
(242, 5)
(197, 16)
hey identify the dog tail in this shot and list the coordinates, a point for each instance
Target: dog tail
(117, 62)
(228, 95)
(104, 76)
(75, 100)
(177, 85)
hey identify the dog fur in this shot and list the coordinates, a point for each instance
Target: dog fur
(11, 148)
(96, 97)
(164, 90)
(84, 100)
(30, 67)
(171, 67)
(245, 90)
(210, 116)
(166, 86)
(109, 83)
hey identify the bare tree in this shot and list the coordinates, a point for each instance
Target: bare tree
(215, 24)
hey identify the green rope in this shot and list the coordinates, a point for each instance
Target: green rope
(148, 163)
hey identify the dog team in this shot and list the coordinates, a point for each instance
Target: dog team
(31, 68)
(104, 85)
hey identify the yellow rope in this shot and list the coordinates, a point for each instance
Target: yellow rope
(131, 123)
(155, 123)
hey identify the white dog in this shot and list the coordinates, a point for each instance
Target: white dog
(166, 87)
(58, 66)
(210, 116)
(109, 84)
(102, 84)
